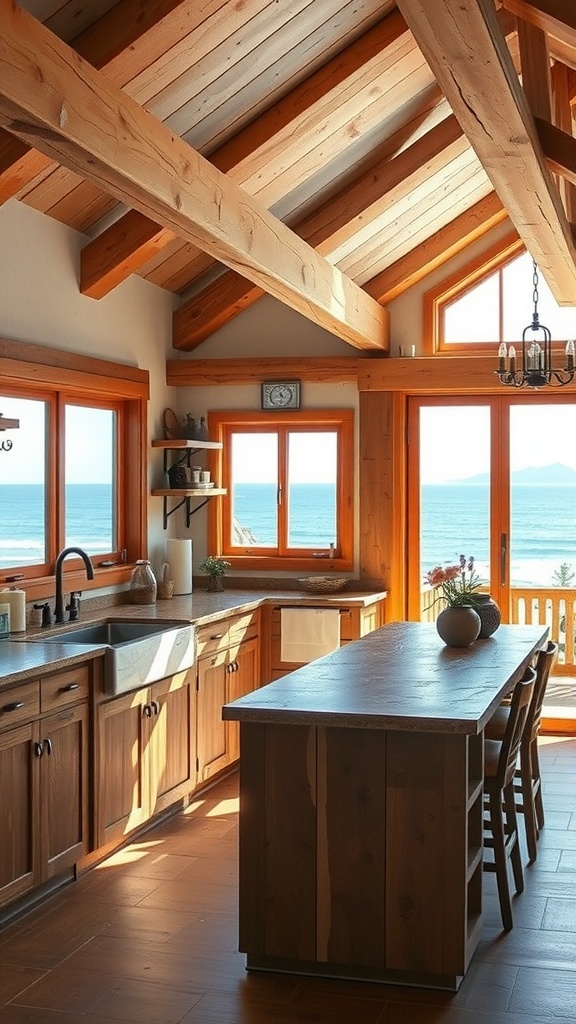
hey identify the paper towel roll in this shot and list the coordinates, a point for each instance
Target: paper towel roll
(179, 557)
(17, 601)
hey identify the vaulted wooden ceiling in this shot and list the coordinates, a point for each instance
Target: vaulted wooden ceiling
(329, 153)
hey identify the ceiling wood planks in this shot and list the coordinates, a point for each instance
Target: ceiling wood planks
(331, 226)
(50, 96)
(463, 44)
(275, 152)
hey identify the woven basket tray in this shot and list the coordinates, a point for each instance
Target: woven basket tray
(323, 584)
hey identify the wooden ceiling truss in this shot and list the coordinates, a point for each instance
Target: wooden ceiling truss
(331, 159)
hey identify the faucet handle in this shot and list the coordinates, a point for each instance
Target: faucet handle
(74, 606)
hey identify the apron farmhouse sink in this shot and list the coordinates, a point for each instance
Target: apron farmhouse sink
(136, 653)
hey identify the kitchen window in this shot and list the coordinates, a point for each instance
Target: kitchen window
(72, 475)
(289, 483)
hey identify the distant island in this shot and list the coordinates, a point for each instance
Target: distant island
(554, 474)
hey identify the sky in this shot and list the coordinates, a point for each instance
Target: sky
(86, 461)
(455, 443)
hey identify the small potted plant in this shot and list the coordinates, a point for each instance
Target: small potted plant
(456, 586)
(215, 569)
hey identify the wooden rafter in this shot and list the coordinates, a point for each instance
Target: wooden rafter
(437, 250)
(53, 98)
(464, 46)
(328, 227)
(556, 17)
(559, 148)
(258, 150)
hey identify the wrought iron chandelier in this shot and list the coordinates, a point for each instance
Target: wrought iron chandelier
(536, 367)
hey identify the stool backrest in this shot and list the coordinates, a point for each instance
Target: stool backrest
(544, 664)
(519, 708)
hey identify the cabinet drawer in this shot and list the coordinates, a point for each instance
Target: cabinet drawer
(19, 704)
(212, 637)
(65, 688)
(243, 627)
(224, 633)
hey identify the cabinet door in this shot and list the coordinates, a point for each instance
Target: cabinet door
(122, 765)
(211, 731)
(173, 740)
(64, 790)
(19, 793)
(243, 677)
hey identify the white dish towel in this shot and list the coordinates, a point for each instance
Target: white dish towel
(308, 633)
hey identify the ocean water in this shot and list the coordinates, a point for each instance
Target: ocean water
(88, 521)
(454, 521)
(254, 508)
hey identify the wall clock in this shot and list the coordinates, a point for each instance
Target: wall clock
(281, 394)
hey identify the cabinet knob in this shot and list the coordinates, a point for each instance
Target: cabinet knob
(38, 750)
(69, 688)
(147, 711)
(217, 636)
(156, 707)
(14, 706)
(47, 747)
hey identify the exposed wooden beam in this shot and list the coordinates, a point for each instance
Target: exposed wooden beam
(52, 97)
(535, 67)
(117, 34)
(563, 119)
(464, 46)
(435, 251)
(337, 220)
(212, 372)
(557, 17)
(448, 375)
(255, 152)
(109, 263)
(559, 149)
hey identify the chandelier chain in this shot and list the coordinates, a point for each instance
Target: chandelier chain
(535, 290)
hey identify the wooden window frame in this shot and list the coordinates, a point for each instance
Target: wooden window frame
(37, 372)
(222, 423)
(456, 285)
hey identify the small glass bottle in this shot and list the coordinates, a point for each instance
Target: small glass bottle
(143, 583)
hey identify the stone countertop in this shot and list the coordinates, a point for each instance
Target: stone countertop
(21, 660)
(401, 677)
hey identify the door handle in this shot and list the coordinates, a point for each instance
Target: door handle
(503, 553)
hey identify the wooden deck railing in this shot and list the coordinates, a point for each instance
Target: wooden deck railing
(554, 607)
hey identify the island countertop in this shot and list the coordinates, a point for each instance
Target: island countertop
(400, 678)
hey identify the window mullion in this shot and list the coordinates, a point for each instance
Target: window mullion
(283, 492)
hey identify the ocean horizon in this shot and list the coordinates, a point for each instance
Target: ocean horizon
(454, 521)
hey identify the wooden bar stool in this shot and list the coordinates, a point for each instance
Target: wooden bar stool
(527, 783)
(500, 821)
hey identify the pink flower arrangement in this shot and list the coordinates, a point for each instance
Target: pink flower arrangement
(457, 583)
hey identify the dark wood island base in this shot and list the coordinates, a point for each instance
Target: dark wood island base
(361, 829)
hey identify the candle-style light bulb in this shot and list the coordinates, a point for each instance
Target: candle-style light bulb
(533, 356)
(570, 355)
(512, 359)
(502, 352)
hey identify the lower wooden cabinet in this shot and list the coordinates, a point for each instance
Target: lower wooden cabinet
(44, 811)
(223, 677)
(146, 754)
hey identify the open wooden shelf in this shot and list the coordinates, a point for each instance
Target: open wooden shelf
(182, 444)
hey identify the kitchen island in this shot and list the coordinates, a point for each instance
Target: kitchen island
(361, 780)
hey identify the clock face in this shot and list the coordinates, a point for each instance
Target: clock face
(281, 395)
